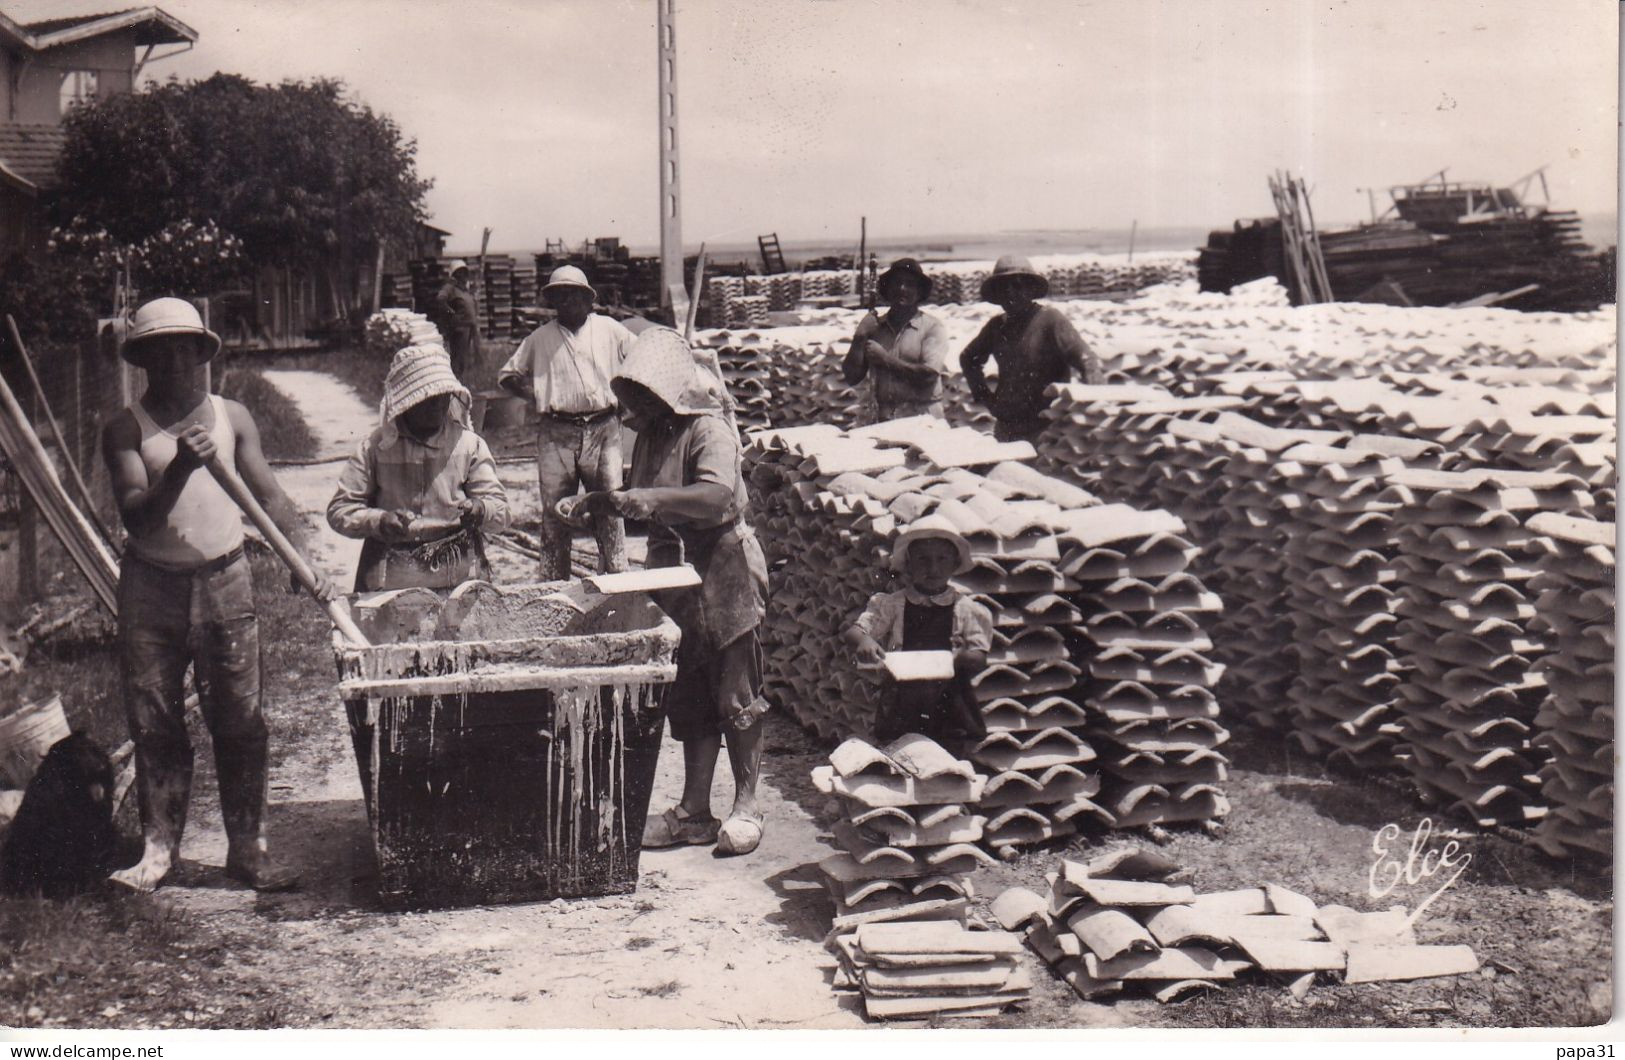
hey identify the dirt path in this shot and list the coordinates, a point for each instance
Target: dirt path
(704, 942)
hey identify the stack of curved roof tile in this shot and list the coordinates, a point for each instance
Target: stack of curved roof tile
(1470, 693)
(908, 834)
(1574, 609)
(1341, 601)
(1153, 717)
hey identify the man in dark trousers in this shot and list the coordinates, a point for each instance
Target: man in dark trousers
(186, 594)
(457, 314)
(1035, 345)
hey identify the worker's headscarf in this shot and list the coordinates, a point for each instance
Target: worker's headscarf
(416, 374)
(688, 381)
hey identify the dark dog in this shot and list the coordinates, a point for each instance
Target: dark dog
(63, 842)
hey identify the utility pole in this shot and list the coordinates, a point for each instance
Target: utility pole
(673, 295)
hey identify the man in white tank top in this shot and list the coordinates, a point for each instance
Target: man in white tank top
(186, 594)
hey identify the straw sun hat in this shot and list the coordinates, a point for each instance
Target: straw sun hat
(1013, 268)
(167, 316)
(932, 527)
(417, 374)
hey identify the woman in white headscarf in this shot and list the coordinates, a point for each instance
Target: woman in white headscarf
(685, 481)
(422, 486)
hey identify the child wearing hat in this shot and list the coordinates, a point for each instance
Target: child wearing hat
(905, 351)
(186, 594)
(927, 614)
(422, 488)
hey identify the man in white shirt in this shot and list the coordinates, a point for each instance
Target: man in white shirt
(565, 367)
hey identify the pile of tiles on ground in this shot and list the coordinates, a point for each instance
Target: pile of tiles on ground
(748, 311)
(902, 882)
(907, 832)
(1340, 555)
(1574, 611)
(1153, 718)
(1470, 692)
(1216, 470)
(1129, 922)
(831, 502)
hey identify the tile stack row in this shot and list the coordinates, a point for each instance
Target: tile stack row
(1129, 922)
(831, 502)
(901, 883)
(1470, 694)
(1341, 598)
(744, 369)
(1153, 717)
(1574, 609)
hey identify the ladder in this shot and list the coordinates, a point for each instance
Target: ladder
(772, 255)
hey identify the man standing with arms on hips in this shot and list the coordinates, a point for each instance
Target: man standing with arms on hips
(457, 312)
(565, 367)
(186, 594)
(1035, 345)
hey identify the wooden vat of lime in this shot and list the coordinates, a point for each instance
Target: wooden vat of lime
(506, 739)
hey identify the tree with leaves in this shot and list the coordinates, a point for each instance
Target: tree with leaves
(300, 174)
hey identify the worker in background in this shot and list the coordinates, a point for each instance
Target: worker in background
(685, 480)
(457, 314)
(565, 367)
(186, 594)
(905, 352)
(927, 614)
(422, 488)
(1035, 345)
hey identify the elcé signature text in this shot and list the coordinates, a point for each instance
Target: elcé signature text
(1422, 862)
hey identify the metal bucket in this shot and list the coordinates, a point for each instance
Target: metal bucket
(507, 770)
(25, 735)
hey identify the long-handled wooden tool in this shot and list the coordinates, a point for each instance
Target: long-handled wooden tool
(238, 490)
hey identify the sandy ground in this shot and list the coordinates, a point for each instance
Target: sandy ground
(704, 942)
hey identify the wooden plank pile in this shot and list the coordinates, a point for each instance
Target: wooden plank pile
(497, 300)
(1469, 699)
(1574, 609)
(1128, 922)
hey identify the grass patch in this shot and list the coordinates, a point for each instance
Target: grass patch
(670, 988)
(283, 434)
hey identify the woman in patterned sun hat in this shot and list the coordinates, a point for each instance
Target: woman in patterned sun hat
(422, 486)
(686, 482)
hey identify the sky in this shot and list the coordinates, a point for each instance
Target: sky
(537, 117)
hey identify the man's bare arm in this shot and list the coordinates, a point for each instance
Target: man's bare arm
(143, 504)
